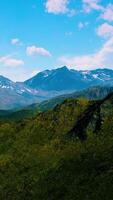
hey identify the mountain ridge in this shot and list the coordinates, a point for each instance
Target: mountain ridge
(93, 93)
(48, 84)
(64, 79)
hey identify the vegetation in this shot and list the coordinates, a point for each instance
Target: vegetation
(65, 153)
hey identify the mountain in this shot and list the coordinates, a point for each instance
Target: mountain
(16, 95)
(64, 117)
(93, 93)
(65, 153)
(48, 84)
(68, 80)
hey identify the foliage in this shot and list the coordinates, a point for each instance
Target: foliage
(40, 160)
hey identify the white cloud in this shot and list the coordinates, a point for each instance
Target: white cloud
(102, 58)
(11, 62)
(16, 41)
(89, 5)
(59, 6)
(33, 50)
(108, 13)
(82, 25)
(105, 30)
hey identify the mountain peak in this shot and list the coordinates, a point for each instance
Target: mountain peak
(64, 68)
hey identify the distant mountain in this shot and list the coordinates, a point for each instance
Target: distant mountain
(16, 95)
(49, 84)
(93, 93)
(66, 80)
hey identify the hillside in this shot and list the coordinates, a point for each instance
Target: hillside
(65, 153)
(93, 93)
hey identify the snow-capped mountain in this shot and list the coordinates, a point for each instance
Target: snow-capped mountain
(16, 95)
(64, 79)
(50, 83)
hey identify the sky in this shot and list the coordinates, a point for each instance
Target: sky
(36, 35)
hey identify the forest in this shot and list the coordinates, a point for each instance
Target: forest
(63, 153)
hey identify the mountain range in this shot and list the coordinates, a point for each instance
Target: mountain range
(29, 112)
(48, 84)
(64, 79)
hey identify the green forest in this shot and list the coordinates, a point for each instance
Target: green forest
(64, 153)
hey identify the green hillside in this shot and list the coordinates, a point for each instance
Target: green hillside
(65, 153)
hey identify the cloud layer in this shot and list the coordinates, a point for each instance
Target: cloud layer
(108, 13)
(11, 62)
(105, 30)
(59, 7)
(89, 5)
(101, 58)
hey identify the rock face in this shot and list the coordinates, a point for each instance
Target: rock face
(94, 118)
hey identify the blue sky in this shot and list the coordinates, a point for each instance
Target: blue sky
(44, 34)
